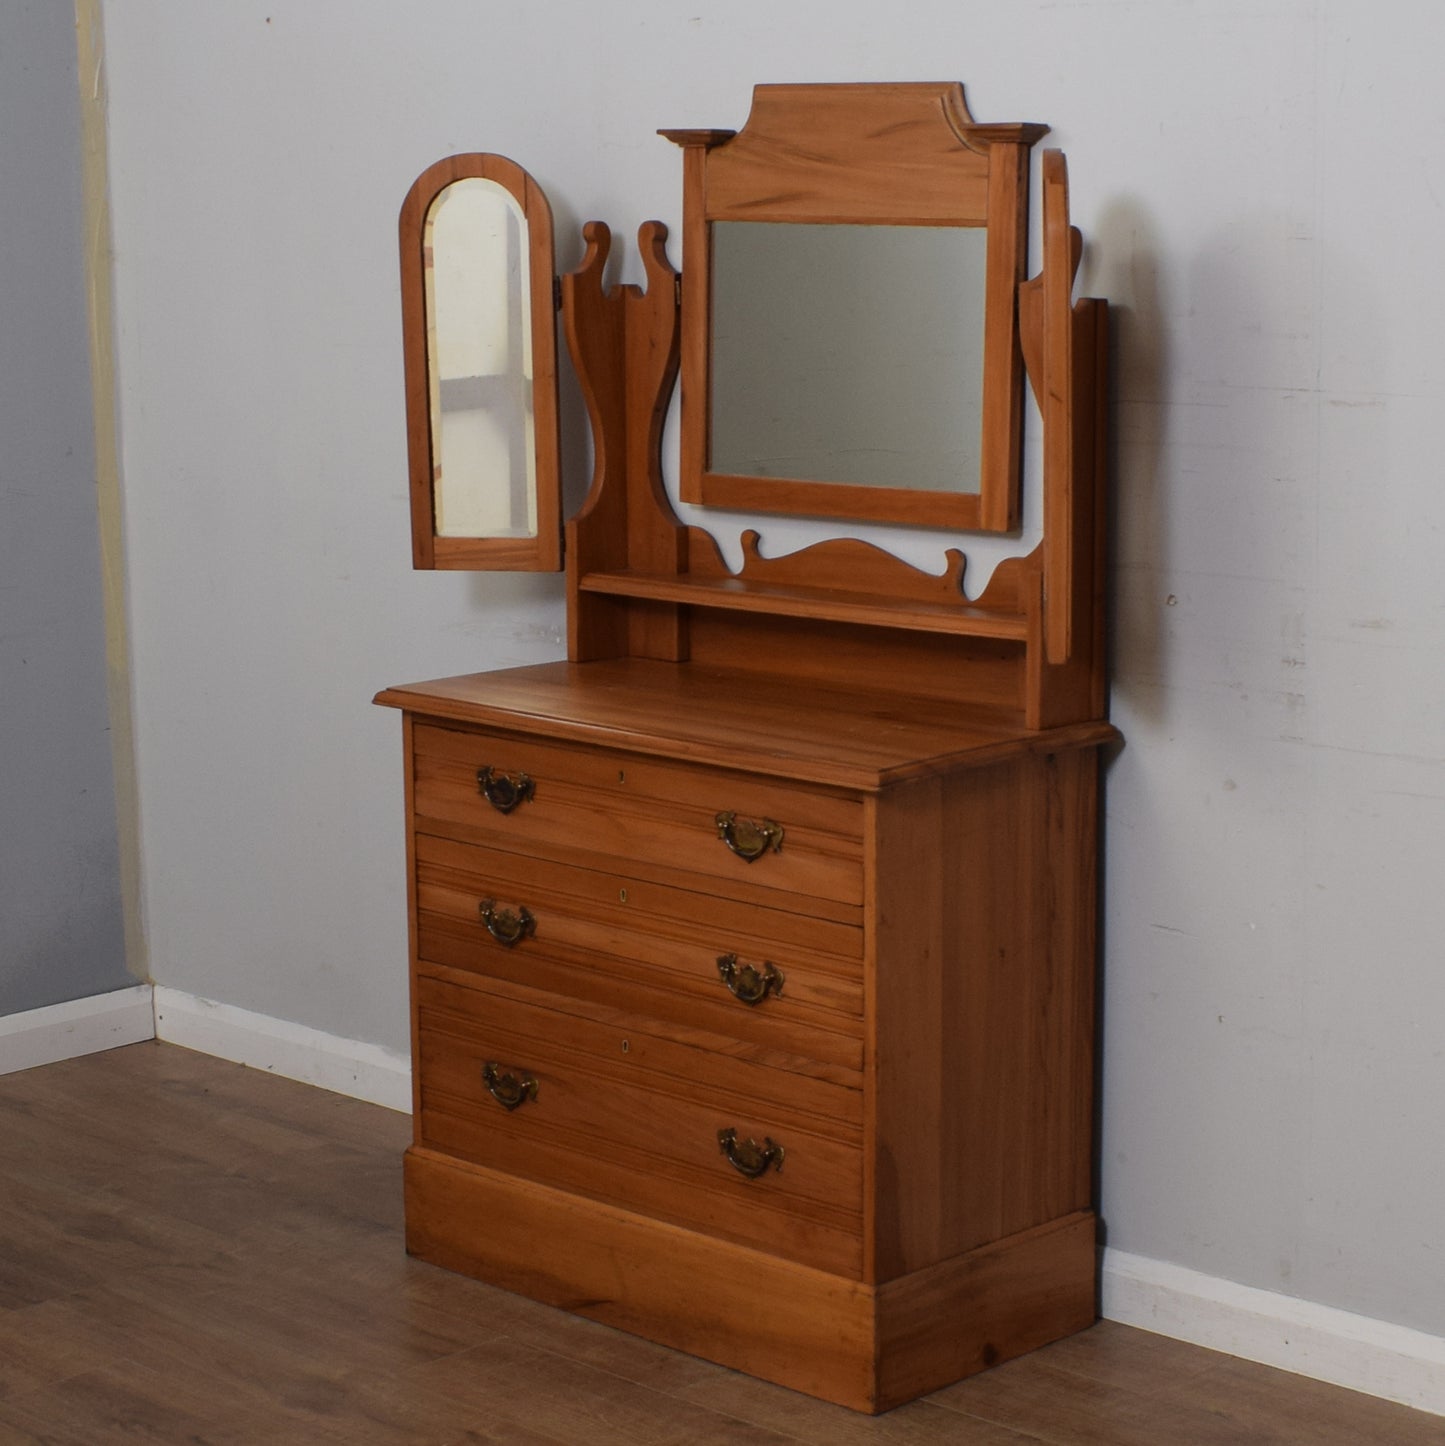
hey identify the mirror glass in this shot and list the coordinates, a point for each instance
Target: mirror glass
(479, 362)
(848, 353)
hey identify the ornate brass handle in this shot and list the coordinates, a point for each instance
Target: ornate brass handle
(507, 928)
(750, 1158)
(746, 983)
(504, 791)
(508, 1089)
(749, 840)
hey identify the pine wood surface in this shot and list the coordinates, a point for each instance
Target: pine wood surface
(193, 1251)
(642, 585)
(963, 1134)
(741, 1302)
(974, 677)
(831, 734)
(634, 966)
(838, 605)
(602, 908)
(981, 1007)
(618, 826)
(901, 154)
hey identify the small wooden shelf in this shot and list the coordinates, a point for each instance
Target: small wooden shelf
(779, 600)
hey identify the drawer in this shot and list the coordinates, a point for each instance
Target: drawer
(636, 945)
(627, 1113)
(617, 811)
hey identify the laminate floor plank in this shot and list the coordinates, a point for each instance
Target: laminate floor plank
(580, 1403)
(1188, 1395)
(112, 1403)
(195, 1252)
(1273, 1405)
(1282, 1409)
(64, 1241)
(1060, 1408)
(919, 1423)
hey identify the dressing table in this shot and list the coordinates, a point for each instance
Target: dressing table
(752, 947)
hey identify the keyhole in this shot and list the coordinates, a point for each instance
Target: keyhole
(625, 1046)
(622, 894)
(621, 776)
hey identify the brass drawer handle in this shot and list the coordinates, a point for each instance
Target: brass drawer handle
(750, 1158)
(749, 840)
(507, 928)
(746, 983)
(508, 1089)
(504, 791)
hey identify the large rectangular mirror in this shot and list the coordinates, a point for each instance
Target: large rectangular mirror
(848, 354)
(850, 338)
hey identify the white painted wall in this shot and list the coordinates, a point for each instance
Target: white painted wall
(1260, 185)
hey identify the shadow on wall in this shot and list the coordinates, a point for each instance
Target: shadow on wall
(1127, 243)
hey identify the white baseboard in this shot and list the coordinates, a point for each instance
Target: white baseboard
(344, 1066)
(1395, 1362)
(80, 1026)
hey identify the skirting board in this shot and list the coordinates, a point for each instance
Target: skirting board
(344, 1066)
(79, 1026)
(1355, 1351)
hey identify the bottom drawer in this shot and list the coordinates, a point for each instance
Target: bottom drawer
(609, 1107)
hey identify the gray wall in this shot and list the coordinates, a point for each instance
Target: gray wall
(1259, 187)
(60, 900)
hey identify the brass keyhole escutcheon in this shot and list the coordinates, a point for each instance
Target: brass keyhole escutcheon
(622, 895)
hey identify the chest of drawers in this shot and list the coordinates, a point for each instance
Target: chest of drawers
(775, 1047)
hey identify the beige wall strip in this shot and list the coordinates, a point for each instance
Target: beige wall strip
(100, 295)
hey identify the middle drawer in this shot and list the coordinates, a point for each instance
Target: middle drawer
(774, 979)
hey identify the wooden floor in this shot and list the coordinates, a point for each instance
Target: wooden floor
(195, 1252)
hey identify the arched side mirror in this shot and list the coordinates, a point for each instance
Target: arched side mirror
(480, 344)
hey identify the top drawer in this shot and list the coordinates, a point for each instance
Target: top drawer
(748, 836)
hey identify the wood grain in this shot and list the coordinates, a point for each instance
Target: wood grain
(593, 320)
(638, 1127)
(619, 776)
(933, 764)
(831, 733)
(975, 1310)
(676, 1286)
(980, 1007)
(624, 344)
(977, 677)
(635, 832)
(904, 153)
(900, 154)
(965, 1127)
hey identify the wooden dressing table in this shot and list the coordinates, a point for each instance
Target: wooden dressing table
(752, 948)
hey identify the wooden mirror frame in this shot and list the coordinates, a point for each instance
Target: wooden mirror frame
(542, 553)
(900, 154)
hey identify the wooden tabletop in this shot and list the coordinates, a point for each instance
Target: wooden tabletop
(842, 737)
